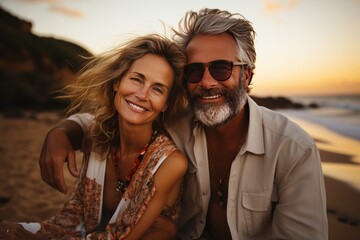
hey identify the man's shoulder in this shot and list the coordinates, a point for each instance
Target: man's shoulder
(183, 124)
(83, 119)
(182, 130)
(278, 124)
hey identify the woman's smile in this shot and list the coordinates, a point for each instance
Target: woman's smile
(136, 107)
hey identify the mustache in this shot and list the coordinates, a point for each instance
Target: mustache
(200, 92)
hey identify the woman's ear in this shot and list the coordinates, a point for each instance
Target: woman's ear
(165, 108)
(116, 86)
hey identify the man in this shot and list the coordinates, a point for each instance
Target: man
(253, 174)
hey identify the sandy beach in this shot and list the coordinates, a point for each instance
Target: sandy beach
(24, 197)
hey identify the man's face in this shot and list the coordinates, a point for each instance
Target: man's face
(215, 102)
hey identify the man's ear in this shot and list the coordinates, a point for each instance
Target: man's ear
(248, 76)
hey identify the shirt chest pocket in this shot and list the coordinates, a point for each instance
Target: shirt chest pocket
(257, 212)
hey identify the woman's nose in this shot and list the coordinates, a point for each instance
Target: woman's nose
(142, 93)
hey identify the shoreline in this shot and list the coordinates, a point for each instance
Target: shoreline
(343, 121)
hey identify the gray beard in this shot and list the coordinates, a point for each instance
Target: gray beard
(213, 115)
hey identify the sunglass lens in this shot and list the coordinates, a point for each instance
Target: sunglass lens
(194, 72)
(220, 70)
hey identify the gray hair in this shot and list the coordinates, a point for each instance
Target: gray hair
(214, 21)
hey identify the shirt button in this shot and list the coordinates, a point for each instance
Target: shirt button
(204, 193)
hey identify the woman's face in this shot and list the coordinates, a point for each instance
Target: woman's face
(144, 90)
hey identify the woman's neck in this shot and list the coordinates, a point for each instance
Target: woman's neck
(133, 138)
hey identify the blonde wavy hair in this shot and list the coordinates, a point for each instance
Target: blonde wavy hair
(92, 91)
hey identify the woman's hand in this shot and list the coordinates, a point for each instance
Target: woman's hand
(11, 230)
(162, 228)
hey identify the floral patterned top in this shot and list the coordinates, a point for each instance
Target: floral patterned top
(81, 215)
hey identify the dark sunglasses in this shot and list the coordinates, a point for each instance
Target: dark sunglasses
(220, 70)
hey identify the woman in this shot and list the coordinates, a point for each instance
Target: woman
(132, 175)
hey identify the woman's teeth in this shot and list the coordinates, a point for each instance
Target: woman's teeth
(136, 107)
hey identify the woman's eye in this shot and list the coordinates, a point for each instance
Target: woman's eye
(158, 90)
(136, 80)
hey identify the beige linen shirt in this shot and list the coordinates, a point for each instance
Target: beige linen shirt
(276, 184)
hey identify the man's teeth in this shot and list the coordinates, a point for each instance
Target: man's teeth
(211, 97)
(136, 107)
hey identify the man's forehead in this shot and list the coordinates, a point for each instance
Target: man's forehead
(205, 48)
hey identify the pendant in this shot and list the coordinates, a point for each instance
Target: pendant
(121, 187)
(220, 194)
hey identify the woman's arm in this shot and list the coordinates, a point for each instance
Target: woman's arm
(167, 179)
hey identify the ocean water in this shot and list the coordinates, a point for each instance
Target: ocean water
(339, 113)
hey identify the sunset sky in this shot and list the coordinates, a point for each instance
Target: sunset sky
(304, 47)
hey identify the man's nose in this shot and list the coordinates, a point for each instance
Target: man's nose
(207, 81)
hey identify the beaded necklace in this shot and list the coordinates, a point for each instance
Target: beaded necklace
(122, 185)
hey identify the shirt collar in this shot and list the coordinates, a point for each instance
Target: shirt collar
(254, 141)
